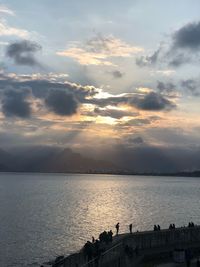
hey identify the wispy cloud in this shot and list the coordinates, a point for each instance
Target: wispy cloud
(4, 9)
(6, 30)
(166, 72)
(181, 49)
(100, 50)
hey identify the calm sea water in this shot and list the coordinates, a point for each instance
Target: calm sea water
(45, 215)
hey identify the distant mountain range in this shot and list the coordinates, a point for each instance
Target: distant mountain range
(50, 159)
(146, 161)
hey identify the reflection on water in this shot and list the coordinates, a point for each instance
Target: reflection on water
(44, 215)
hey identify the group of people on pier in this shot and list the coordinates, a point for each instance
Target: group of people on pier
(172, 226)
(190, 224)
(130, 228)
(106, 237)
(96, 247)
(156, 227)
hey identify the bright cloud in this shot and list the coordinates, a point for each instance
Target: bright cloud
(100, 50)
(163, 72)
(6, 10)
(6, 30)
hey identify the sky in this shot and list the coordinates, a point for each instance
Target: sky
(98, 75)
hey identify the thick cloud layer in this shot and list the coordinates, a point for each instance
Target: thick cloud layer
(22, 52)
(62, 98)
(61, 103)
(14, 103)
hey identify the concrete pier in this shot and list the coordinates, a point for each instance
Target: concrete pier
(145, 246)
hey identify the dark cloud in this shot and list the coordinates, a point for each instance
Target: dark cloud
(148, 60)
(22, 52)
(63, 98)
(14, 103)
(185, 45)
(61, 103)
(167, 87)
(192, 86)
(117, 74)
(40, 87)
(177, 60)
(152, 102)
(187, 37)
(183, 48)
(136, 140)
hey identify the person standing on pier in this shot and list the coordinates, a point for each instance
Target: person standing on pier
(117, 228)
(130, 228)
(188, 257)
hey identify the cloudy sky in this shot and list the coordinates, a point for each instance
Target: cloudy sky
(100, 73)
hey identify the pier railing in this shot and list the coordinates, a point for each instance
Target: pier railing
(148, 242)
(111, 257)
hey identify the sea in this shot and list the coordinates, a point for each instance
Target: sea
(46, 215)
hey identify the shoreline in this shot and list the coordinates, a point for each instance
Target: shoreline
(195, 174)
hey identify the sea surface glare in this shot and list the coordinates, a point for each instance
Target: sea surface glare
(45, 215)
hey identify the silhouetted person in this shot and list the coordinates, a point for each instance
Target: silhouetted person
(190, 224)
(93, 240)
(129, 251)
(136, 251)
(107, 238)
(104, 236)
(130, 228)
(110, 235)
(173, 225)
(100, 237)
(158, 227)
(88, 250)
(117, 228)
(188, 257)
(96, 248)
(155, 228)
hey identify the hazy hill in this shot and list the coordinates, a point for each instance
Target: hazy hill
(50, 159)
(118, 160)
(7, 161)
(67, 160)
